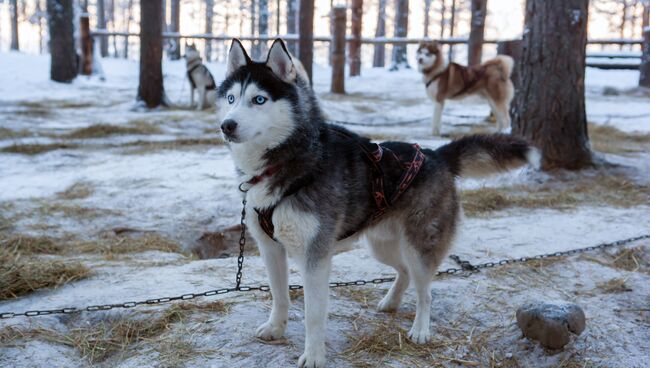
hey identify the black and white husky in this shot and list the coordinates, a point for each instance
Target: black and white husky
(312, 189)
(200, 78)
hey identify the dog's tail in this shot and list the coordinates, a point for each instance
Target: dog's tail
(482, 155)
(507, 63)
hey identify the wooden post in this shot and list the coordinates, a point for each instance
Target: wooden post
(306, 35)
(86, 67)
(644, 68)
(338, 50)
(511, 48)
(355, 44)
(477, 29)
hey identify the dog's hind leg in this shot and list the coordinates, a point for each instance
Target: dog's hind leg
(421, 274)
(437, 117)
(275, 260)
(503, 117)
(387, 252)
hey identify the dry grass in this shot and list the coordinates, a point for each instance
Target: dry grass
(78, 190)
(35, 149)
(615, 285)
(607, 139)
(144, 147)
(630, 259)
(366, 296)
(20, 275)
(106, 130)
(6, 133)
(32, 244)
(602, 188)
(74, 211)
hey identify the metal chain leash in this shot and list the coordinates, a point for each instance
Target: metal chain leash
(465, 267)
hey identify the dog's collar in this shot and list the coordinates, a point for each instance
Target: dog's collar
(268, 172)
(433, 79)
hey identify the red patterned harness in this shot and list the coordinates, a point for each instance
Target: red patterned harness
(374, 155)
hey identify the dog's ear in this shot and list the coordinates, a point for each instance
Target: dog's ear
(237, 57)
(279, 60)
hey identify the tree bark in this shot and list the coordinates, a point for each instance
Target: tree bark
(278, 6)
(354, 47)
(427, 9)
(209, 15)
(129, 18)
(86, 44)
(262, 27)
(253, 28)
(452, 23)
(13, 9)
(401, 30)
(379, 56)
(646, 16)
(64, 65)
(623, 21)
(101, 24)
(111, 20)
(477, 30)
(443, 19)
(549, 106)
(292, 9)
(644, 68)
(306, 34)
(338, 49)
(150, 90)
(175, 26)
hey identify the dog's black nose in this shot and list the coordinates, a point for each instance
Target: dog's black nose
(228, 127)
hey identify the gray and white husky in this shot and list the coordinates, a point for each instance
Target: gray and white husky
(199, 77)
(310, 184)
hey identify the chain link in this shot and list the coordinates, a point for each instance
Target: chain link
(466, 268)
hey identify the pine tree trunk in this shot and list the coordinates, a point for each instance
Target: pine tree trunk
(354, 47)
(427, 9)
(306, 32)
(278, 6)
(101, 24)
(150, 90)
(111, 19)
(452, 24)
(253, 28)
(549, 106)
(292, 10)
(13, 9)
(646, 16)
(477, 30)
(623, 21)
(401, 30)
(443, 11)
(379, 57)
(129, 18)
(263, 27)
(209, 14)
(64, 65)
(175, 26)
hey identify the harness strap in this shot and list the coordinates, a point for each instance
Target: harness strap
(434, 78)
(412, 168)
(211, 86)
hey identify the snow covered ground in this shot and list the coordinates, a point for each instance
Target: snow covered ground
(146, 182)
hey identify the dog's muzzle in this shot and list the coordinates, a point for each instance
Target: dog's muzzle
(228, 127)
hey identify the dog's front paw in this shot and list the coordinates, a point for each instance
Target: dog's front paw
(420, 335)
(388, 304)
(271, 330)
(312, 359)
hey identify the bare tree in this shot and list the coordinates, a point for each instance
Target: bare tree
(253, 10)
(101, 24)
(549, 107)
(278, 6)
(111, 20)
(380, 49)
(209, 14)
(175, 26)
(427, 10)
(13, 10)
(452, 23)
(150, 90)
(401, 30)
(645, 22)
(128, 18)
(292, 10)
(354, 47)
(263, 27)
(64, 66)
(443, 20)
(477, 30)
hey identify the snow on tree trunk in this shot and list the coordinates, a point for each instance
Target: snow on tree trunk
(13, 9)
(175, 26)
(354, 47)
(209, 14)
(380, 49)
(292, 10)
(401, 30)
(150, 90)
(549, 106)
(475, 41)
(64, 66)
(101, 24)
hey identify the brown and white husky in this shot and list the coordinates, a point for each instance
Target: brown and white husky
(448, 81)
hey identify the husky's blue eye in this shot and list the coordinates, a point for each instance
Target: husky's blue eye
(231, 99)
(259, 100)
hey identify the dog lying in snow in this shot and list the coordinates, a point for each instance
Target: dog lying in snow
(314, 188)
(448, 81)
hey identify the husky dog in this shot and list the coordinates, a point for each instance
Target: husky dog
(310, 188)
(444, 80)
(199, 76)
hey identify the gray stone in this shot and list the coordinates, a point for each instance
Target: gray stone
(551, 323)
